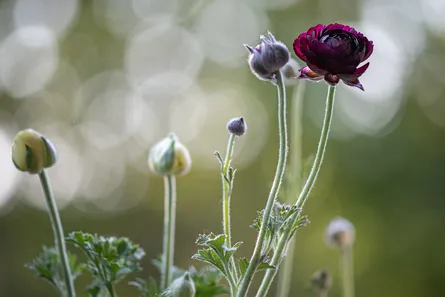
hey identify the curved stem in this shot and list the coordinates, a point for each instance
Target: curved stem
(58, 232)
(281, 166)
(310, 182)
(294, 180)
(169, 229)
(347, 271)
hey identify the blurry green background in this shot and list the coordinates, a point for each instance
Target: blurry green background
(106, 79)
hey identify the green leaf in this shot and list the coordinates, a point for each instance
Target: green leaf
(48, 267)
(243, 263)
(110, 259)
(264, 266)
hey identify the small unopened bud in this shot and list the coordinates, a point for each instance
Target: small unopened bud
(268, 57)
(340, 233)
(183, 286)
(169, 157)
(237, 126)
(32, 152)
(321, 281)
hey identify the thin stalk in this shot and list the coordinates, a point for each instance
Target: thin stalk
(227, 190)
(281, 166)
(58, 232)
(347, 264)
(111, 290)
(293, 181)
(310, 182)
(169, 229)
(227, 194)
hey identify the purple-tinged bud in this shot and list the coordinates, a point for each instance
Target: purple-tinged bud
(340, 233)
(237, 126)
(268, 57)
(275, 53)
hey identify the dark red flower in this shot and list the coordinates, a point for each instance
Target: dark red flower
(333, 53)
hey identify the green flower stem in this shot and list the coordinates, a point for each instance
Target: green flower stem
(111, 290)
(281, 166)
(169, 229)
(347, 264)
(294, 179)
(227, 189)
(310, 182)
(58, 232)
(227, 194)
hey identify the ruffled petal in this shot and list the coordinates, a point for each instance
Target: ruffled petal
(298, 44)
(369, 49)
(315, 31)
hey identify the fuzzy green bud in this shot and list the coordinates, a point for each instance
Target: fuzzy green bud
(237, 126)
(183, 286)
(169, 157)
(340, 233)
(32, 152)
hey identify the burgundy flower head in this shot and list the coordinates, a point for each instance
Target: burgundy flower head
(333, 53)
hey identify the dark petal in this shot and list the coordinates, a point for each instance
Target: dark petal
(341, 27)
(316, 69)
(307, 73)
(316, 31)
(339, 66)
(357, 73)
(361, 70)
(354, 83)
(298, 45)
(369, 49)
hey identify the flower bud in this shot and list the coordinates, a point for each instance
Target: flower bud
(237, 126)
(268, 57)
(169, 157)
(340, 233)
(183, 287)
(32, 152)
(321, 281)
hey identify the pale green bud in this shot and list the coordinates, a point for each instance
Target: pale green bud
(169, 157)
(32, 152)
(183, 286)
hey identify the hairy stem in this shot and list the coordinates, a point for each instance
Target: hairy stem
(227, 189)
(227, 194)
(347, 264)
(169, 229)
(294, 179)
(58, 232)
(310, 182)
(281, 166)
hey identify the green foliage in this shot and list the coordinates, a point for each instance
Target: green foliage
(110, 259)
(281, 219)
(207, 281)
(47, 266)
(216, 253)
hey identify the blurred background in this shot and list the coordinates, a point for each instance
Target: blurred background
(106, 79)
